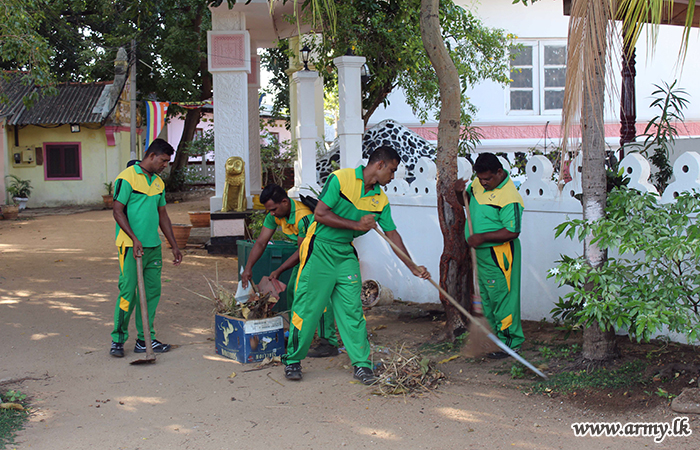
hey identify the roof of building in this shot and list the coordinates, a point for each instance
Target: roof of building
(74, 103)
(14, 90)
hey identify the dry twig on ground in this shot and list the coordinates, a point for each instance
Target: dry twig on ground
(403, 372)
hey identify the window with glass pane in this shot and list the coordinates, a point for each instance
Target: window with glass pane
(62, 161)
(554, 76)
(521, 74)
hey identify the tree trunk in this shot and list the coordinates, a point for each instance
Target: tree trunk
(598, 344)
(455, 273)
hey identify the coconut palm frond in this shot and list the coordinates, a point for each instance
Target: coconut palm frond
(637, 15)
(649, 14)
(591, 30)
(318, 9)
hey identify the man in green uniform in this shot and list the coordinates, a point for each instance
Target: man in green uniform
(496, 209)
(139, 209)
(351, 204)
(294, 218)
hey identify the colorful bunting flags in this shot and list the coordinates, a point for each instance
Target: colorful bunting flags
(155, 119)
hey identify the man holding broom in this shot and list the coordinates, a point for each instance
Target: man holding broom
(351, 204)
(294, 218)
(139, 210)
(496, 209)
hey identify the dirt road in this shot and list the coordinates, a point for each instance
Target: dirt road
(58, 284)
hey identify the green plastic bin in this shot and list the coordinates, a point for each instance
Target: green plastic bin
(274, 255)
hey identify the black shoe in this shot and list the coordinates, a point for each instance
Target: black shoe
(157, 346)
(365, 375)
(117, 350)
(323, 350)
(293, 372)
(501, 354)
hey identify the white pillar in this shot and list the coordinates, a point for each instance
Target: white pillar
(230, 91)
(306, 133)
(253, 169)
(350, 123)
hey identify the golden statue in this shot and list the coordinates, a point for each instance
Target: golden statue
(234, 188)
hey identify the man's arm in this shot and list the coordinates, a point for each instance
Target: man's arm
(324, 215)
(498, 237)
(288, 264)
(255, 254)
(419, 271)
(120, 217)
(167, 227)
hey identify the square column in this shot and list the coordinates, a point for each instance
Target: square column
(351, 127)
(228, 45)
(306, 133)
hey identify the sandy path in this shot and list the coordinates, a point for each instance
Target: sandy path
(58, 283)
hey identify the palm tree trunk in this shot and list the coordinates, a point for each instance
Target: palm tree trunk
(454, 265)
(598, 344)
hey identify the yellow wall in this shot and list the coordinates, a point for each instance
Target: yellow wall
(99, 163)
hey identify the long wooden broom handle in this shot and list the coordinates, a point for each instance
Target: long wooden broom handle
(472, 250)
(459, 307)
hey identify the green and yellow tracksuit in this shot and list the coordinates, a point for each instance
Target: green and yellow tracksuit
(499, 264)
(141, 196)
(295, 226)
(329, 268)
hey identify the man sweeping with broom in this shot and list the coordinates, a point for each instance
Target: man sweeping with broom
(351, 204)
(496, 209)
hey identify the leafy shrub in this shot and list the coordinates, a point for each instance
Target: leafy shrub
(656, 280)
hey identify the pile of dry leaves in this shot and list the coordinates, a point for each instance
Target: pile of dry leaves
(402, 372)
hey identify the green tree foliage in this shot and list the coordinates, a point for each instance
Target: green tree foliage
(655, 282)
(22, 47)
(276, 62)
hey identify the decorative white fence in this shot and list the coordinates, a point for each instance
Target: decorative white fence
(414, 209)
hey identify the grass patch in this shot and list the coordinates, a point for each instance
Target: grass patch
(563, 351)
(11, 421)
(445, 347)
(628, 374)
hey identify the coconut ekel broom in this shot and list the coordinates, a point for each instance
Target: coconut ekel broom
(482, 326)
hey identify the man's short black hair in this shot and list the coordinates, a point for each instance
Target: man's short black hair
(273, 192)
(159, 147)
(487, 162)
(384, 153)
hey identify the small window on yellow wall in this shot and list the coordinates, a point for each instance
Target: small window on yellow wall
(62, 161)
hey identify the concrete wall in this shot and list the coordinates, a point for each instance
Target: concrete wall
(100, 163)
(545, 208)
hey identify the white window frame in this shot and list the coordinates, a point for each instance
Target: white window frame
(538, 107)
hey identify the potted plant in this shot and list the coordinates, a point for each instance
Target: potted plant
(19, 190)
(109, 198)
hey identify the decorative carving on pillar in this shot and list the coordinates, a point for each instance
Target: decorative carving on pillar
(234, 188)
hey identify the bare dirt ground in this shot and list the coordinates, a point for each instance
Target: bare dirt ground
(58, 286)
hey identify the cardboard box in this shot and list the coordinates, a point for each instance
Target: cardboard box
(249, 341)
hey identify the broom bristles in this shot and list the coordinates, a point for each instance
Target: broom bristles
(478, 343)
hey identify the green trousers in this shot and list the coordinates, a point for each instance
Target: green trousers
(499, 282)
(129, 294)
(326, 326)
(328, 272)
